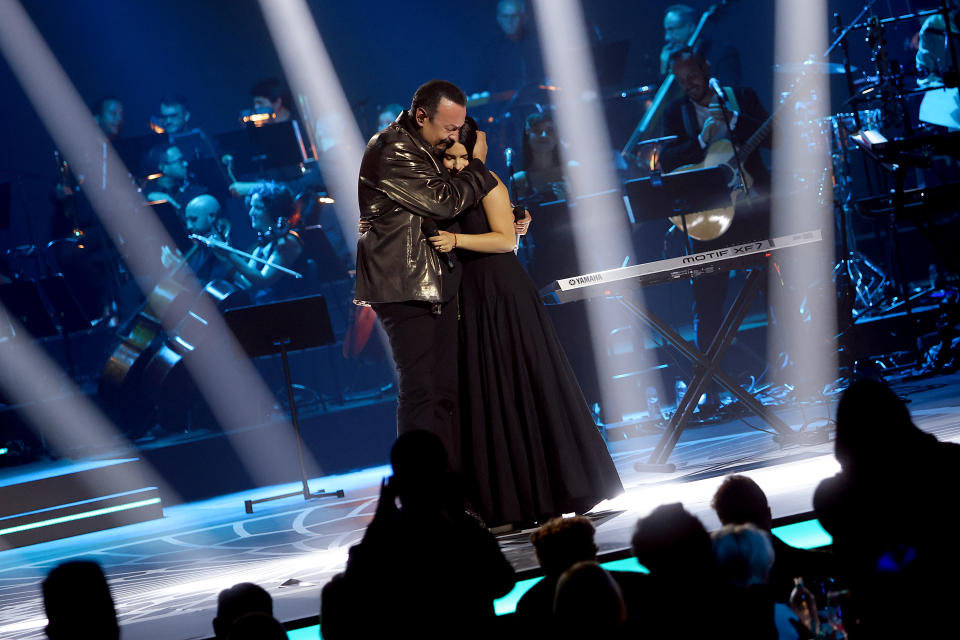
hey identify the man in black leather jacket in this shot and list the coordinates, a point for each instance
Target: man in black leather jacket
(403, 189)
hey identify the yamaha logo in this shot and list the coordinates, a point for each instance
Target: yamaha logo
(594, 277)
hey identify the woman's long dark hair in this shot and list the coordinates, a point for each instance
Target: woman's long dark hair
(468, 135)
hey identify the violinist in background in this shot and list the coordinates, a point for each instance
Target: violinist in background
(174, 184)
(202, 218)
(272, 215)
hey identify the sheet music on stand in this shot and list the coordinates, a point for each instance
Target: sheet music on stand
(278, 145)
(662, 196)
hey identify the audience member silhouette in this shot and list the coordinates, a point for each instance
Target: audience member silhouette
(257, 626)
(78, 604)
(675, 547)
(740, 500)
(892, 515)
(744, 556)
(424, 567)
(561, 543)
(588, 603)
(673, 544)
(237, 601)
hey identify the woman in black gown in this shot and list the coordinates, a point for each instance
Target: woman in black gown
(531, 449)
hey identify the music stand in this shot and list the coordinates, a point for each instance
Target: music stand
(679, 193)
(282, 327)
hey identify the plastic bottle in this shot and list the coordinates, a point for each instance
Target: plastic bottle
(679, 388)
(833, 627)
(804, 604)
(653, 404)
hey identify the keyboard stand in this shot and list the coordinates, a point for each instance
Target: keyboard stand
(706, 366)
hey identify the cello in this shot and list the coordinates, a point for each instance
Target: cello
(140, 365)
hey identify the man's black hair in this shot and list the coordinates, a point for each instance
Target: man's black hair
(175, 99)
(683, 54)
(101, 104)
(273, 89)
(431, 94)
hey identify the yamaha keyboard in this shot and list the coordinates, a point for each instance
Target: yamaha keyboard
(609, 282)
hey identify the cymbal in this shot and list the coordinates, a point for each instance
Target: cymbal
(831, 68)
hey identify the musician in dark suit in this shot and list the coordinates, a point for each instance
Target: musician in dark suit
(698, 121)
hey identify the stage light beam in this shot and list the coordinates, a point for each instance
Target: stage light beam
(600, 226)
(314, 79)
(804, 299)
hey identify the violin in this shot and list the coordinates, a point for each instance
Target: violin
(274, 232)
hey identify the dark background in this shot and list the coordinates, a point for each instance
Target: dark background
(212, 52)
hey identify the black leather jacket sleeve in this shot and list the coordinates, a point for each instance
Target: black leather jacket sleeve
(418, 187)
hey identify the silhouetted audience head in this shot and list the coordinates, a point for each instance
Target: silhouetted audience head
(672, 543)
(420, 467)
(873, 427)
(239, 600)
(562, 542)
(740, 500)
(743, 555)
(78, 604)
(588, 603)
(257, 626)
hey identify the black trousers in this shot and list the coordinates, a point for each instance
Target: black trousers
(424, 343)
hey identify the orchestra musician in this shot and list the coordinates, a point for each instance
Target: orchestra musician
(679, 24)
(174, 114)
(698, 120)
(174, 184)
(202, 217)
(933, 58)
(273, 215)
(273, 96)
(512, 61)
(108, 112)
(79, 247)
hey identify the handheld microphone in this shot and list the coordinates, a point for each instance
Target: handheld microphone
(717, 89)
(429, 228)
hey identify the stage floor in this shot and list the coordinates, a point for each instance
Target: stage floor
(165, 574)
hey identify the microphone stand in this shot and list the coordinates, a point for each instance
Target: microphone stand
(733, 142)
